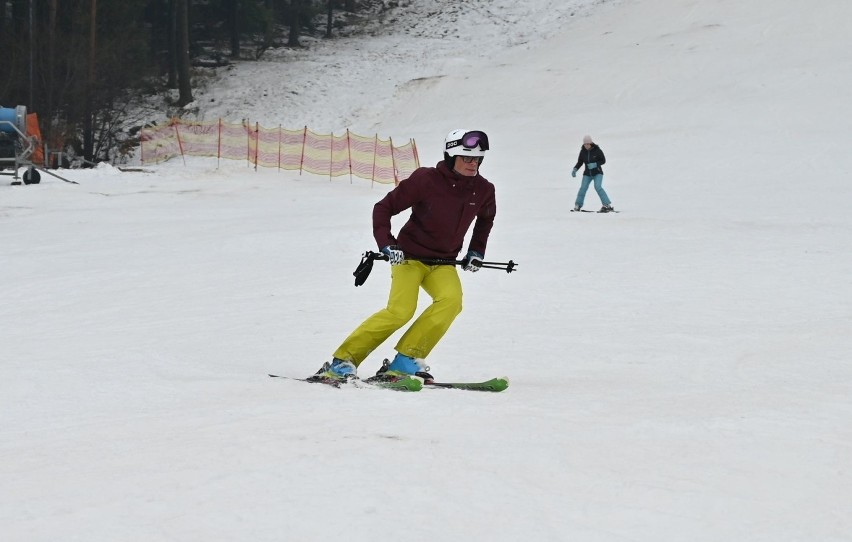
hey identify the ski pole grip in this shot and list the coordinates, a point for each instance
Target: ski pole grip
(366, 266)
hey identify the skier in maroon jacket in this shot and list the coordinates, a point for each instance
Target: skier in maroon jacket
(444, 202)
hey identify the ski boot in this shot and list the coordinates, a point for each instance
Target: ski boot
(606, 208)
(402, 366)
(337, 370)
(577, 208)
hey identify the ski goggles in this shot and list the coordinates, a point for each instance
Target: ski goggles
(470, 140)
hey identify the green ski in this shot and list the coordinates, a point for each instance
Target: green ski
(494, 385)
(408, 383)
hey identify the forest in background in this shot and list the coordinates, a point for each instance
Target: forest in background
(82, 65)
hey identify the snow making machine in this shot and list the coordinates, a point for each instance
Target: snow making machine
(16, 148)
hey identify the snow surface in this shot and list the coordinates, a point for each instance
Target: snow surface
(680, 370)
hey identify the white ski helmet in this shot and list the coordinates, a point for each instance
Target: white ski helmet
(466, 143)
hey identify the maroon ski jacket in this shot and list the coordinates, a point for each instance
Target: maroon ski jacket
(443, 206)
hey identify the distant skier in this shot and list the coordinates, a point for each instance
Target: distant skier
(593, 157)
(444, 202)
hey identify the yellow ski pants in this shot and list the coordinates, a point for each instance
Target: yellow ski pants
(441, 282)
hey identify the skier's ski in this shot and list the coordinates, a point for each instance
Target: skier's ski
(327, 381)
(405, 383)
(401, 384)
(495, 384)
(599, 212)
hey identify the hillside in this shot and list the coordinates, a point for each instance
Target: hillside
(679, 370)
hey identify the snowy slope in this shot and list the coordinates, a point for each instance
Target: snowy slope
(679, 370)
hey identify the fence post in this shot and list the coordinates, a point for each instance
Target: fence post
(349, 149)
(414, 151)
(256, 143)
(304, 139)
(247, 128)
(175, 123)
(219, 145)
(375, 152)
(393, 162)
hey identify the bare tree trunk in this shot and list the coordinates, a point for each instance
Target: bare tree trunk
(88, 114)
(234, 24)
(18, 17)
(295, 23)
(269, 27)
(172, 44)
(184, 83)
(330, 18)
(51, 50)
(32, 42)
(51, 66)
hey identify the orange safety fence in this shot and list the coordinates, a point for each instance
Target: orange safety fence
(350, 154)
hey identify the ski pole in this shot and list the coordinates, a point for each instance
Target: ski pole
(503, 266)
(366, 265)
